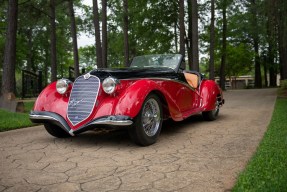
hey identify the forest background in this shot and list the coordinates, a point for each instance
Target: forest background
(222, 38)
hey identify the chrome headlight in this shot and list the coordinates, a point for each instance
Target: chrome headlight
(109, 85)
(62, 86)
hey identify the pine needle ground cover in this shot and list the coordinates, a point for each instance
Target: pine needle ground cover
(267, 170)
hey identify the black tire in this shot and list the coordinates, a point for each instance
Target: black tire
(211, 115)
(148, 122)
(56, 131)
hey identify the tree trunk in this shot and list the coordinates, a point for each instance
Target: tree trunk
(223, 56)
(258, 78)
(271, 30)
(8, 76)
(265, 71)
(104, 34)
(74, 38)
(272, 70)
(189, 35)
(212, 43)
(126, 32)
(181, 28)
(30, 50)
(47, 60)
(175, 37)
(53, 41)
(282, 38)
(97, 34)
(194, 39)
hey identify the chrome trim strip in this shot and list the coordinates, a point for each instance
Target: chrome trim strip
(45, 117)
(138, 78)
(158, 78)
(40, 117)
(71, 132)
(112, 122)
(120, 121)
(168, 79)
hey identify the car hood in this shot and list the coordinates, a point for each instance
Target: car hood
(131, 73)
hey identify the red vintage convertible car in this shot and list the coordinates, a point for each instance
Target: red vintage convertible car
(153, 88)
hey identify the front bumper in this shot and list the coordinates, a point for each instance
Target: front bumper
(54, 118)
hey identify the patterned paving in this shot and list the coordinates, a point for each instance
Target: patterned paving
(190, 156)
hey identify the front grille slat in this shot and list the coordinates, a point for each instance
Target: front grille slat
(83, 98)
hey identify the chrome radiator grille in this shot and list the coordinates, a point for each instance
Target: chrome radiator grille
(83, 98)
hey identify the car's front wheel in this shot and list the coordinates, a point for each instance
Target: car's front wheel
(56, 131)
(148, 123)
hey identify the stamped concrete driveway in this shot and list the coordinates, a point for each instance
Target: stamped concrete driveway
(190, 156)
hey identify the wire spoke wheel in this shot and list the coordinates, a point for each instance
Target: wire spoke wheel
(148, 122)
(151, 117)
(212, 115)
(216, 110)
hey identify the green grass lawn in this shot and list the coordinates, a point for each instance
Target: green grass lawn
(267, 170)
(9, 120)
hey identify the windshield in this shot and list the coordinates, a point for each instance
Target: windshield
(165, 60)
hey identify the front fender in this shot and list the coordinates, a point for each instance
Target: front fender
(50, 100)
(132, 98)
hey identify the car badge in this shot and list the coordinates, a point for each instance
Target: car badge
(87, 76)
(73, 103)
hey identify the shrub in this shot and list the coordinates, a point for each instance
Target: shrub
(284, 84)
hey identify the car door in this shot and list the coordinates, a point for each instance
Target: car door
(188, 97)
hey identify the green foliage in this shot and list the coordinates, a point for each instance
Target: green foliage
(28, 106)
(88, 55)
(151, 30)
(266, 171)
(9, 120)
(239, 59)
(3, 26)
(240, 32)
(33, 46)
(284, 84)
(150, 24)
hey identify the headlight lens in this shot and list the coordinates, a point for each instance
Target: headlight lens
(62, 86)
(109, 85)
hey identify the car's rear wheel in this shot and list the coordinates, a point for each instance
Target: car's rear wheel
(148, 123)
(212, 115)
(56, 131)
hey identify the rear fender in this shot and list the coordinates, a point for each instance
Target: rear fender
(209, 91)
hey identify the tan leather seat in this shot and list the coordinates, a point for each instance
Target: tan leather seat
(192, 79)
